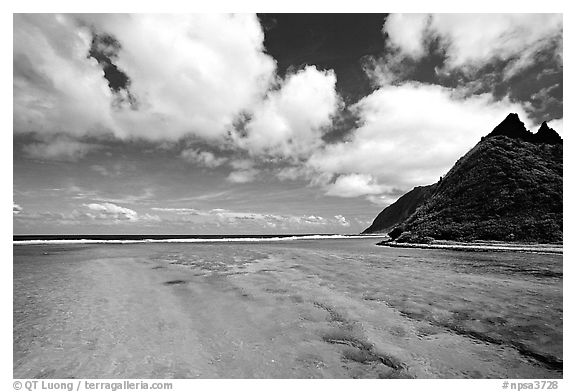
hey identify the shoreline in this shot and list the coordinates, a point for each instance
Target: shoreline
(196, 240)
(479, 247)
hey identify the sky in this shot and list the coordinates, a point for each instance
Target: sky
(253, 124)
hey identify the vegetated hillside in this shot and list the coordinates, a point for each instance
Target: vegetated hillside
(507, 188)
(401, 209)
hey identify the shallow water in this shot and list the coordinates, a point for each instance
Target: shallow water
(298, 309)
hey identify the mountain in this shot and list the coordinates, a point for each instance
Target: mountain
(513, 128)
(547, 135)
(508, 187)
(401, 209)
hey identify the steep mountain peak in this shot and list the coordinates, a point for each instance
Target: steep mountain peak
(512, 127)
(547, 135)
(544, 127)
(513, 118)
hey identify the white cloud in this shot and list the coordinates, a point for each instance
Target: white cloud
(242, 164)
(408, 135)
(557, 125)
(473, 40)
(311, 219)
(62, 148)
(383, 200)
(354, 185)
(116, 169)
(225, 216)
(243, 176)
(181, 211)
(291, 120)
(407, 33)
(102, 213)
(56, 87)
(234, 215)
(197, 72)
(16, 209)
(113, 213)
(204, 158)
(341, 220)
(191, 74)
(244, 171)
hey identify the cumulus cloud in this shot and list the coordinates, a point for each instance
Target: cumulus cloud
(113, 213)
(354, 185)
(59, 148)
(291, 120)
(191, 74)
(471, 41)
(342, 220)
(407, 33)
(57, 88)
(203, 158)
(409, 135)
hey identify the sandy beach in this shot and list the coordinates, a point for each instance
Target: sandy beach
(299, 309)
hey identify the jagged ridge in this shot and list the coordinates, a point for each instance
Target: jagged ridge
(514, 128)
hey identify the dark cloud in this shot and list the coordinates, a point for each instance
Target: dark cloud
(104, 48)
(344, 122)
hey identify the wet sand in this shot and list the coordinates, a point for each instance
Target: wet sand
(299, 309)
